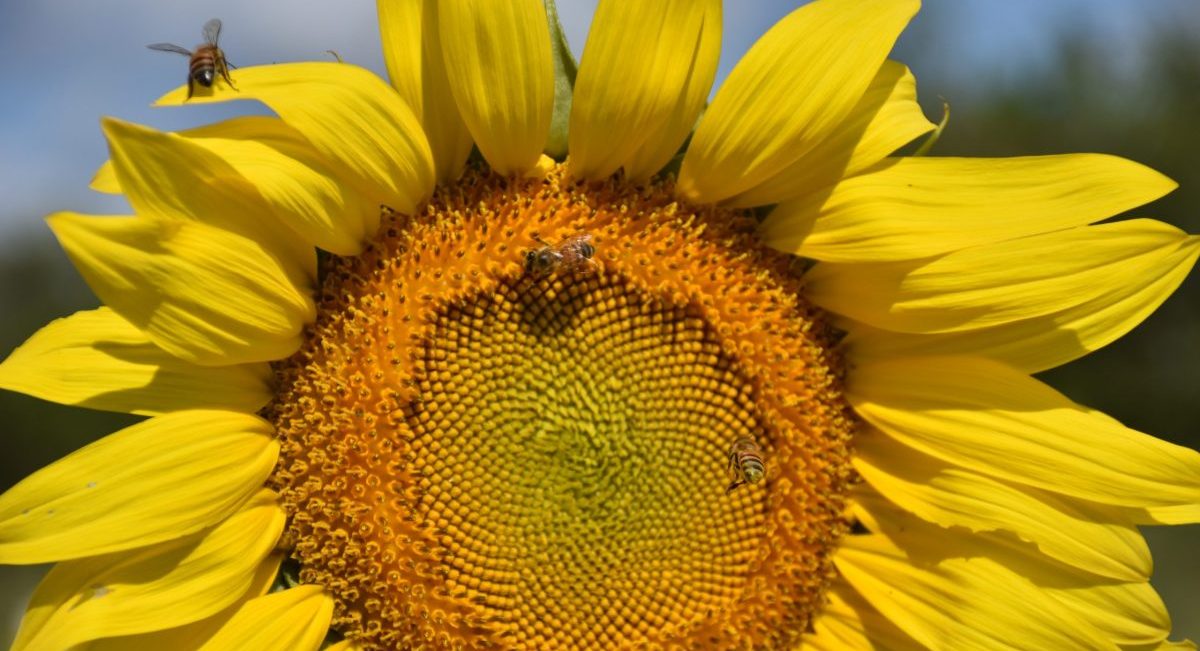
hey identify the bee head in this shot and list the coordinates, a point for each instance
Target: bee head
(204, 77)
(531, 261)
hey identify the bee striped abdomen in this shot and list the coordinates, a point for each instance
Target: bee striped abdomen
(745, 463)
(204, 65)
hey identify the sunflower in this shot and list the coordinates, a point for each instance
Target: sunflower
(585, 364)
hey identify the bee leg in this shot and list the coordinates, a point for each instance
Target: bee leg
(224, 67)
(191, 83)
(735, 484)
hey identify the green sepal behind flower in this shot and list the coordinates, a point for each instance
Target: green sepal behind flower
(565, 69)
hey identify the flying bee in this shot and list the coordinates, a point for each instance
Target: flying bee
(745, 463)
(206, 62)
(571, 254)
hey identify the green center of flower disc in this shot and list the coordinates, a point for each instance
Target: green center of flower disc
(480, 450)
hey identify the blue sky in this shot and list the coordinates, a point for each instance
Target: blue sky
(66, 63)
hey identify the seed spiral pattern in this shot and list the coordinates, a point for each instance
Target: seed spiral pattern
(473, 455)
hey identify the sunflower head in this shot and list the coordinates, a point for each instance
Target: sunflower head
(517, 429)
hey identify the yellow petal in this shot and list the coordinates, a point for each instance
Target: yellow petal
(1181, 645)
(412, 49)
(97, 359)
(163, 586)
(1124, 612)
(997, 421)
(961, 603)
(998, 283)
(792, 90)
(105, 179)
(306, 193)
(885, 119)
(296, 182)
(646, 70)
(497, 57)
(204, 294)
(192, 636)
(348, 115)
(1170, 515)
(154, 481)
(910, 208)
(1036, 344)
(950, 496)
(167, 176)
(400, 30)
(848, 622)
(291, 620)
(1127, 613)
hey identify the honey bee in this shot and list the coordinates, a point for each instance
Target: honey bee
(571, 254)
(745, 463)
(206, 62)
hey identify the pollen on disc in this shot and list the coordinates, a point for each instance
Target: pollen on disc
(477, 453)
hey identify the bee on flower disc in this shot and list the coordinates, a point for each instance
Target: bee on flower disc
(745, 463)
(571, 254)
(206, 62)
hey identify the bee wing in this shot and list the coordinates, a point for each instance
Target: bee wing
(212, 31)
(170, 47)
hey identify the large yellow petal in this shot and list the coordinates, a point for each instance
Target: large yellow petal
(886, 118)
(1044, 342)
(412, 50)
(990, 418)
(167, 585)
(348, 115)
(791, 91)
(961, 604)
(97, 359)
(646, 70)
(160, 479)
(401, 27)
(167, 176)
(1124, 612)
(1128, 613)
(497, 57)
(910, 208)
(299, 186)
(192, 636)
(849, 623)
(951, 496)
(304, 191)
(291, 620)
(998, 283)
(204, 294)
